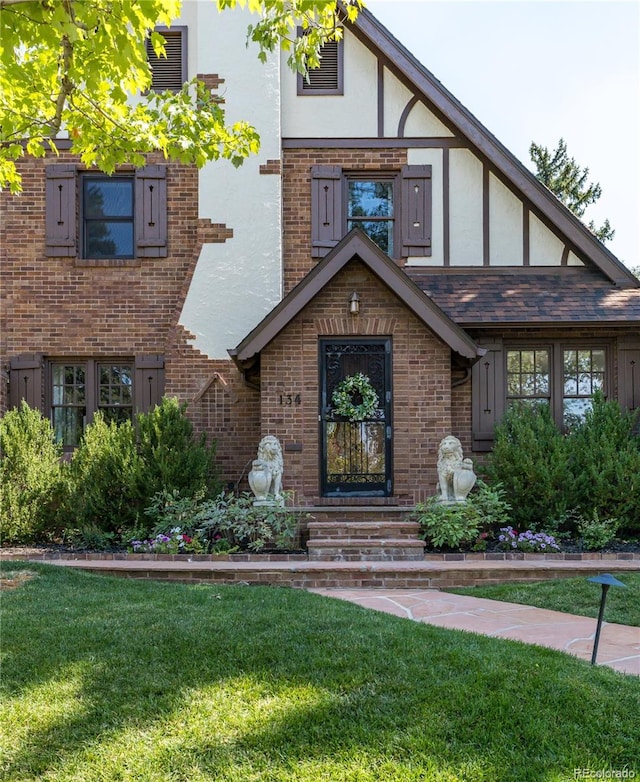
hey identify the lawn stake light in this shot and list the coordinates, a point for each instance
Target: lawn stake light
(606, 580)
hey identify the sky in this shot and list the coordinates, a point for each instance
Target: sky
(541, 70)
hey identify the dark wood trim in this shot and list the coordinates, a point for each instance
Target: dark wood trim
(565, 256)
(377, 38)
(505, 271)
(446, 216)
(405, 114)
(375, 143)
(380, 100)
(486, 216)
(526, 249)
(356, 245)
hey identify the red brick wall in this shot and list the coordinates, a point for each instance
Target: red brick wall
(421, 384)
(297, 197)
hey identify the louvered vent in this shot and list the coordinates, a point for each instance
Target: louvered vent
(326, 77)
(167, 73)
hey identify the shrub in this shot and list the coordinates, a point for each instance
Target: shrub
(104, 487)
(245, 525)
(596, 533)
(530, 461)
(458, 524)
(168, 510)
(30, 476)
(604, 459)
(173, 457)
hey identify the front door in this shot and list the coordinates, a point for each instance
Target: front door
(356, 454)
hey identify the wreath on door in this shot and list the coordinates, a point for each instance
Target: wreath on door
(355, 398)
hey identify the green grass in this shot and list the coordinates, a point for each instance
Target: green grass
(126, 680)
(571, 595)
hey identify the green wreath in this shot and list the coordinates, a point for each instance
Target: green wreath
(355, 398)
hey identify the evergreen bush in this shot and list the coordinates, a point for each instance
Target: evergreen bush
(604, 461)
(30, 475)
(530, 461)
(105, 491)
(173, 457)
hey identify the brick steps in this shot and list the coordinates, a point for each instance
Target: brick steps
(378, 539)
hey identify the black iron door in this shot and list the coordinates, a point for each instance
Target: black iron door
(356, 454)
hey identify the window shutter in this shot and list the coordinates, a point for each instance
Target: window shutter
(170, 72)
(60, 196)
(629, 375)
(149, 382)
(151, 212)
(487, 395)
(25, 380)
(416, 210)
(326, 209)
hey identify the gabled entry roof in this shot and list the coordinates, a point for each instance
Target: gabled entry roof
(356, 245)
(374, 35)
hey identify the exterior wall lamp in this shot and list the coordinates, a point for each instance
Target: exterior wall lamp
(354, 304)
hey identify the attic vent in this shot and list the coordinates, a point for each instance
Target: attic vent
(327, 79)
(169, 73)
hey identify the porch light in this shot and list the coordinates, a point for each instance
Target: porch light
(606, 580)
(354, 304)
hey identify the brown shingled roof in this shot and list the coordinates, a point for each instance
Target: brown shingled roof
(492, 297)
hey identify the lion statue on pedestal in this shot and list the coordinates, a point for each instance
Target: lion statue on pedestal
(265, 477)
(455, 474)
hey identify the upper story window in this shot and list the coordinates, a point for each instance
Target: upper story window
(370, 207)
(328, 79)
(107, 217)
(120, 217)
(393, 208)
(170, 72)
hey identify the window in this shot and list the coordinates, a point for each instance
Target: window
(528, 376)
(121, 217)
(327, 79)
(583, 375)
(107, 217)
(370, 207)
(393, 208)
(563, 376)
(170, 72)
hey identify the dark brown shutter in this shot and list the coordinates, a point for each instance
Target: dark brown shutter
(169, 73)
(629, 374)
(487, 395)
(25, 380)
(326, 209)
(416, 210)
(151, 212)
(61, 211)
(149, 382)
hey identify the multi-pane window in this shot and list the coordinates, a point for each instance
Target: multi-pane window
(528, 377)
(583, 375)
(565, 378)
(79, 389)
(370, 207)
(108, 217)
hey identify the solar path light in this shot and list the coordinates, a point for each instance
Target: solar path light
(606, 580)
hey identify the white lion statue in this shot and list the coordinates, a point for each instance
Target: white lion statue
(455, 474)
(265, 477)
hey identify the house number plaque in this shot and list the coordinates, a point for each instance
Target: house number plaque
(287, 400)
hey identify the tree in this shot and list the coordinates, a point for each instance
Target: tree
(568, 181)
(72, 66)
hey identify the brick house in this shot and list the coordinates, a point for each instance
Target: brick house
(382, 229)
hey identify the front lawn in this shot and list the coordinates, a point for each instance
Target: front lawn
(141, 681)
(571, 595)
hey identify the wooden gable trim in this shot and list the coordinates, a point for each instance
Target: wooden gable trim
(376, 37)
(356, 245)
